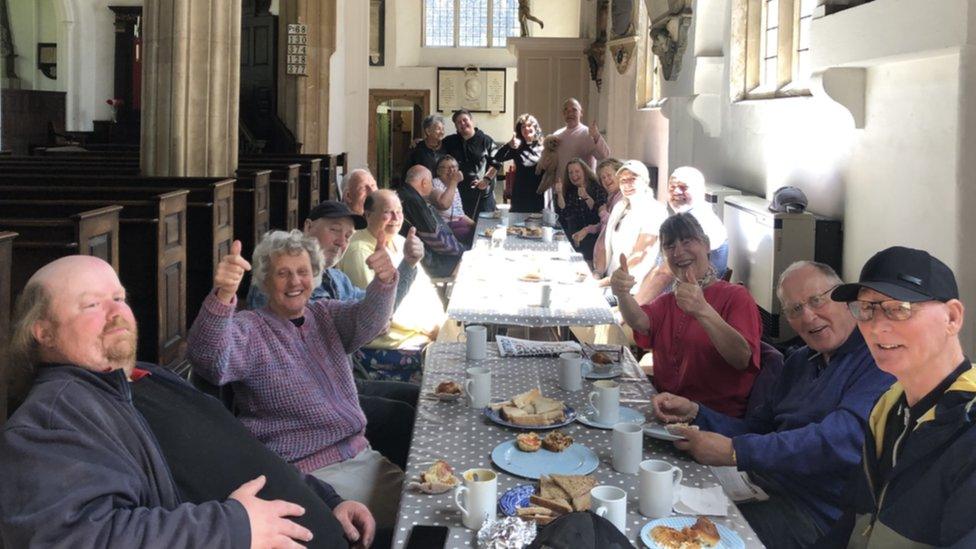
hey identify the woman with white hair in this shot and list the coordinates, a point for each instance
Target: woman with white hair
(686, 194)
(430, 149)
(289, 367)
(634, 222)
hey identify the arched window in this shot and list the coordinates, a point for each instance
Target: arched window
(469, 23)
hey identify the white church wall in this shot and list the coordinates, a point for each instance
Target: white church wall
(31, 23)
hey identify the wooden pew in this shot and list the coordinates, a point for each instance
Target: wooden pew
(209, 220)
(314, 170)
(153, 234)
(6, 260)
(283, 186)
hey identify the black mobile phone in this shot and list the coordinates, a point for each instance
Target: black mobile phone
(427, 537)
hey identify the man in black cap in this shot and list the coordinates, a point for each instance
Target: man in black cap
(389, 405)
(919, 460)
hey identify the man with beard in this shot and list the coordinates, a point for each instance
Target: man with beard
(108, 451)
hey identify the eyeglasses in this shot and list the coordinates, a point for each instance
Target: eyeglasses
(894, 310)
(814, 302)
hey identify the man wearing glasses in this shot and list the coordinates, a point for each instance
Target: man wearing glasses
(918, 486)
(803, 442)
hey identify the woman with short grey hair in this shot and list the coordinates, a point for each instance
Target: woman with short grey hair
(289, 367)
(428, 150)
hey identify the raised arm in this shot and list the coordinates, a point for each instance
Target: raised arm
(728, 341)
(217, 343)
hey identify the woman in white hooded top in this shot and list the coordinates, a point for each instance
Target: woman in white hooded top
(634, 222)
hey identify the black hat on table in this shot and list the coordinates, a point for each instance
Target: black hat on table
(332, 209)
(904, 274)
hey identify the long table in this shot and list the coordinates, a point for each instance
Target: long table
(491, 285)
(464, 438)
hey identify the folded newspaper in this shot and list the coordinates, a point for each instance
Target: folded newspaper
(510, 346)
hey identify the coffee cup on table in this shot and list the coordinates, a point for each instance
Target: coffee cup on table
(659, 485)
(610, 503)
(478, 387)
(570, 372)
(547, 233)
(477, 497)
(476, 342)
(626, 447)
(607, 397)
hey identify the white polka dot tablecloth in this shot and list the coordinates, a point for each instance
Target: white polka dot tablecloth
(462, 436)
(505, 286)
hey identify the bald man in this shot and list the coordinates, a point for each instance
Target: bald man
(356, 187)
(109, 451)
(443, 249)
(577, 140)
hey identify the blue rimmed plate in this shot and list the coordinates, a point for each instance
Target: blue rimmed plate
(495, 415)
(575, 460)
(730, 540)
(626, 415)
(515, 498)
(609, 372)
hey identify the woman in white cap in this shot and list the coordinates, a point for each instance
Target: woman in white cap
(634, 223)
(686, 194)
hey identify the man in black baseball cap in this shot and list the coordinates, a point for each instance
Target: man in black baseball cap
(919, 457)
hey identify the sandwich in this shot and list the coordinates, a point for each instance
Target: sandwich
(531, 409)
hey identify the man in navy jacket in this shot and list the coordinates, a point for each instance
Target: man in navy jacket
(803, 440)
(108, 452)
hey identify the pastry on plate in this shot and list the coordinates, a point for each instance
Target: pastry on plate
(704, 532)
(600, 358)
(437, 479)
(528, 442)
(448, 388)
(666, 537)
(557, 442)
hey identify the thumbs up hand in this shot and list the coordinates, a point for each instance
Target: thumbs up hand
(413, 248)
(689, 295)
(621, 281)
(229, 273)
(379, 261)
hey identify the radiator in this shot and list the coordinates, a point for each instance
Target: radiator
(761, 245)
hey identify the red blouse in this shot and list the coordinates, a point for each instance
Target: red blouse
(686, 363)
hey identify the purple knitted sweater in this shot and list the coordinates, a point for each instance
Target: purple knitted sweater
(293, 385)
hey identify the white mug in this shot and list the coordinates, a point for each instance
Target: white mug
(477, 342)
(659, 482)
(503, 210)
(547, 233)
(610, 503)
(480, 495)
(570, 372)
(478, 387)
(545, 300)
(607, 395)
(626, 446)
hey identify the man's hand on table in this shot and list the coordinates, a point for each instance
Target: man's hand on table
(706, 447)
(357, 523)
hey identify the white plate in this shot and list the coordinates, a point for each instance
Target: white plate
(660, 432)
(730, 540)
(626, 415)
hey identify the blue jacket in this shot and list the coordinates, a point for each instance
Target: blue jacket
(79, 467)
(805, 438)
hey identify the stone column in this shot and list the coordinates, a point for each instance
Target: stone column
(190, 87)
(303, 101)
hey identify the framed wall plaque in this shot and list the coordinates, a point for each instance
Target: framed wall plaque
(296, 59)
(478, 90)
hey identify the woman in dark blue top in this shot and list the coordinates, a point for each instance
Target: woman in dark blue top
(578, 204)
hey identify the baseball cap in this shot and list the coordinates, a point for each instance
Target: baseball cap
(788, 200)
(332, 209)
(637, 168)
(904, 274)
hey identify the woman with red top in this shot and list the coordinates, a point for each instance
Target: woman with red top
(705, 333)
